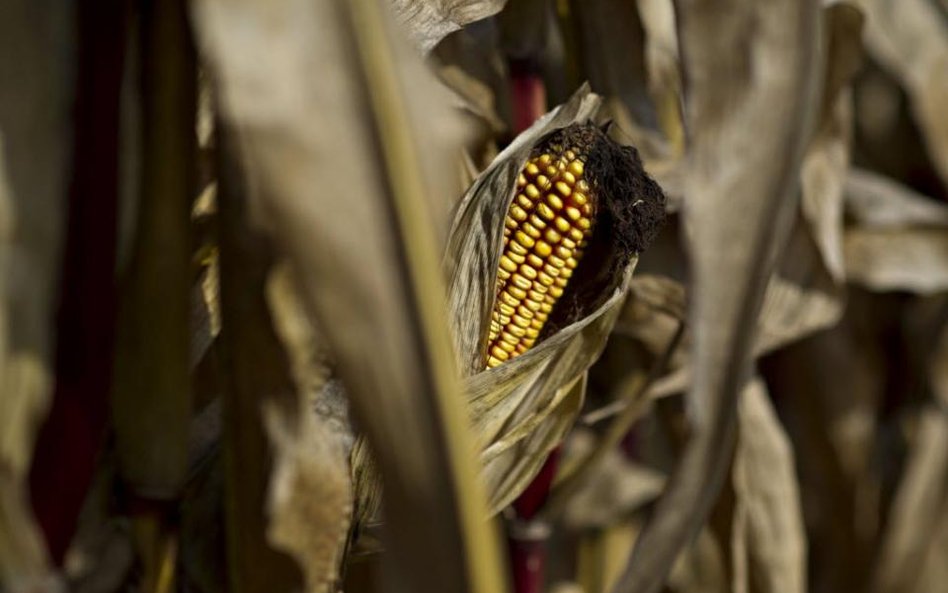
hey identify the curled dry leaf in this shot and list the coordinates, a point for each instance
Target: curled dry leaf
(608, 28)
(310, 498)
(37, 57)
(472, 64)
(663, 66)
(915, 260)
(748, 139)
(472, 95)
(823, 175)
(896, 239)
(921, 495)
(804, 294)
(767, 498)
(566, 587)
(800, 300)
(875, 201)
(429, 21)
(934, 573)
(700, 568)
(26, 382)
(616, 489)
(910, 38)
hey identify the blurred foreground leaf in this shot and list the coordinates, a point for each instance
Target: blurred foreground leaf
(748, 139)
(346, 172)
(37, 61)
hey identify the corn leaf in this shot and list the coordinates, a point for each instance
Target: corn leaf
(896, 238)
(910, 39)
(748, 140)
(614, 491)
(348, 168)
(151, 403)
(310, 498)
(922, 494)
(37, 61)
(767, 495)
(429, 21)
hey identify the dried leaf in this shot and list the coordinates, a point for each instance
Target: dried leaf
(259, 373)
(915, 260)
(700, 568)
(822, 178)
(429, 21)
(37, 61)
(663, 65)
(151, 396)
(934, 570)
(801, 298)
(608, 28)
(601, 554)
(24, 563)
(473, 96)
(748, 139)
(896, 238)
(309, 501)
(921, 496)
(375, 135)
(616, 489)
(767, 498)
(922, 493)
(877, 202)
(472, 64)
(910, 39)
(843, 31)
(566, 587)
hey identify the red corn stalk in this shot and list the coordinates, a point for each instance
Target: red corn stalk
(526, 542)
(69, 441)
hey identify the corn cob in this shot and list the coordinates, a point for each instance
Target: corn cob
(547, 226)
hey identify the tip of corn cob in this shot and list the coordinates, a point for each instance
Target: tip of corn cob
(580, 196)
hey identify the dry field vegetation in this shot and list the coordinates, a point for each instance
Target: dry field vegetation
(476, 296)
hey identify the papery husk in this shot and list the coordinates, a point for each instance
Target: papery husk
(522, 409)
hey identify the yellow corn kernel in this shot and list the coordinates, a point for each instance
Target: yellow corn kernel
(546, 227)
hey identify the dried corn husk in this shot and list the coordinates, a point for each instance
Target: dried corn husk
(522, 409)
